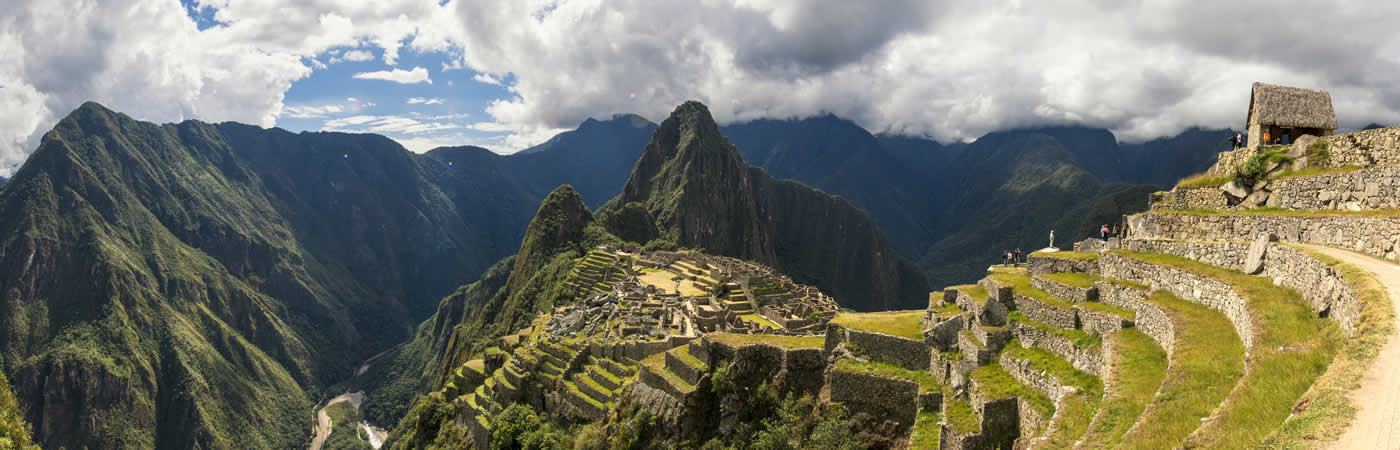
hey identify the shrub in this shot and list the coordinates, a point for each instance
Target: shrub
(512, 425)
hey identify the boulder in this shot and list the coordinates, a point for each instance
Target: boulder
(1300, 163)
(1300, 146)
(1254, 257)
(1235, 191)
(1255, 199)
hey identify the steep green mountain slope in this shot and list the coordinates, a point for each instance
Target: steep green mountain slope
(14, 433)
(1164, 161)
(702, 194)
(512, 293)
(841, 158)
(1012, 189)
(197, 285)
(594, 158)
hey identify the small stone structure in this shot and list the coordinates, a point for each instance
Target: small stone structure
(1289, 113)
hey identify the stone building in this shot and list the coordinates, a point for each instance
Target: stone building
(1288, 113)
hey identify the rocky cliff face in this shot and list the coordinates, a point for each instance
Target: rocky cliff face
(702, 194)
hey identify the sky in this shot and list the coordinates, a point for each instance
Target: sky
(508, 74)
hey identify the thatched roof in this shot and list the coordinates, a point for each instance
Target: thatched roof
(1292, 107)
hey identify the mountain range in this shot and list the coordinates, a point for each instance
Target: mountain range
(202, 285)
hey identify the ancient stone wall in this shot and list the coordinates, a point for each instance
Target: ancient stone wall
(907, 353)
(1041, 265)
(1379, 237)
(1209, 197)
(1368, 148)
(1040, 380)
(878, 396)
(1087, 359)
(1373, 188)
(944, 335)
(1377, 187)
(1100, 323)
(1211, 293)
(1323, 288)
(1065, 292)
(1151, 320)
(1044, 313)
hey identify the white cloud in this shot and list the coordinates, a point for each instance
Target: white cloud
(391, 124)
(417, 75)
(308, 111)
(357, 55)
(425, 101)
(952, 69)
(486, 78)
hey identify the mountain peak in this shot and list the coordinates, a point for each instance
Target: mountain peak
(560, 222)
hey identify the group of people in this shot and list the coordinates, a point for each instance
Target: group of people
(1116, 230)
(1012, 257)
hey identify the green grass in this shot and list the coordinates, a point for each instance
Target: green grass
(972, 338)
(1073, 279)
(345, 428)
(1206, 364)
(759, 320)
(1311, 171)
(1079, 338)
(1076, 410)
(1128, 284)
(927, 432)
(1203, 180)
(1020, 283)
(1105, 308)
(1139, 367)
(960, 415)
(784, 342)
(657, 363)
(1278, 375)
(945, 310)
(905, 324)
(1074, 256)
(996, 384)
(976, 291)
(683, 353)
(924, 379)
(1325, 411)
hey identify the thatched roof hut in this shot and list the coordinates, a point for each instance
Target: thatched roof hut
(1288, 113)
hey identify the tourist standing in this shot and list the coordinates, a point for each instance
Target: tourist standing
(1103, 232)
(1018, 255)
(1238, 141)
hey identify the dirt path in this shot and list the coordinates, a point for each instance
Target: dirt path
(1377, 424)
(323, 420)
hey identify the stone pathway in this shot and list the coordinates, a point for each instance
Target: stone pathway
(1377, 424)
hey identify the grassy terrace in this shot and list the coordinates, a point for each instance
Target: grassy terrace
(946, 310)
(1073, 279)
(1267, 211)
(1079, 338)
(976, 291)
(927, 432)
(1076, 410)
(657, 364)
(1020, 283)
(1203, 180)
(683, 353)
(996, 384)
(967, 333)
(905, 324)
(1139, 367)
(1206, 364)
(960, 415)
(1291, 350)
(1128, 284)
(924, 379)
(1075, 256)
(759, 320)
(1105, 308)
(784, 342)
(1328, 412)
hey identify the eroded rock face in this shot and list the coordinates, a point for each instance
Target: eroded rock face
(1254, 260)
